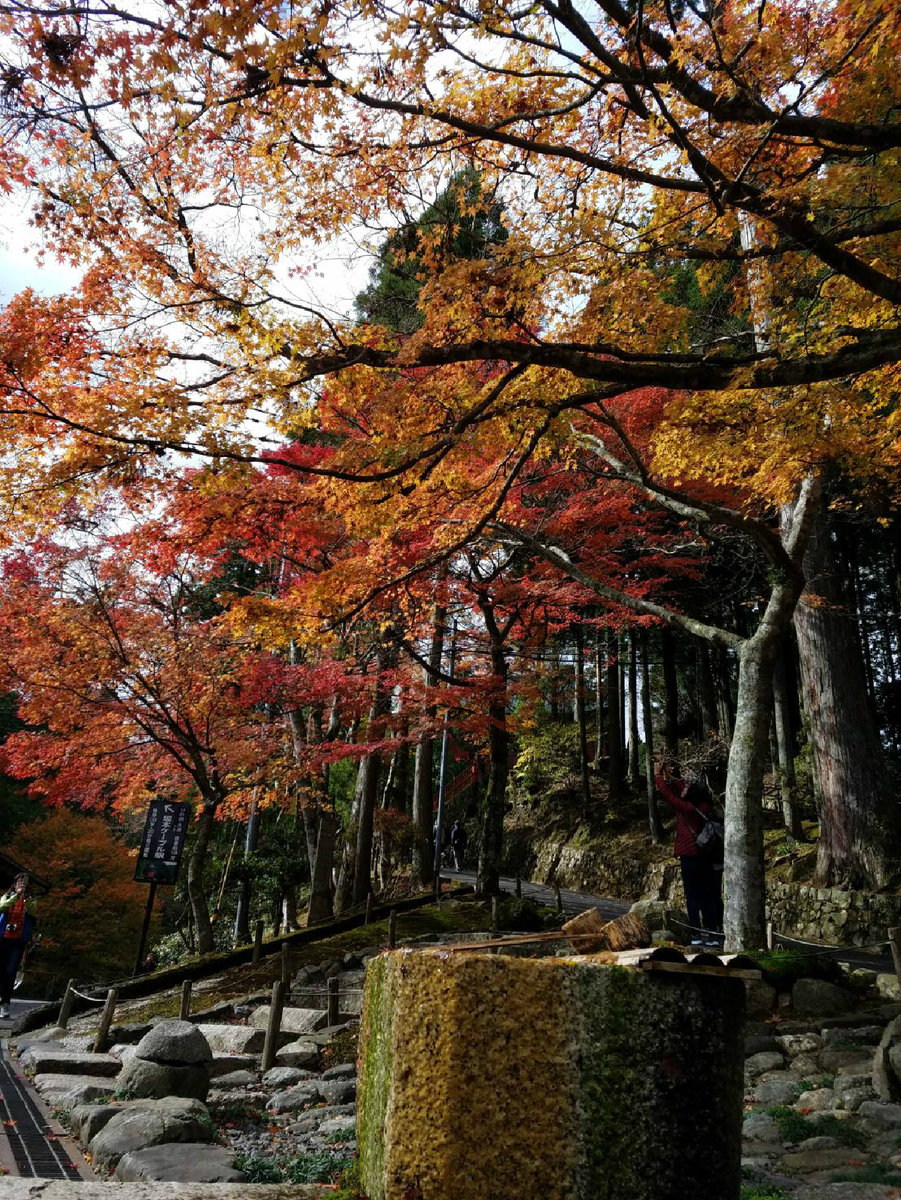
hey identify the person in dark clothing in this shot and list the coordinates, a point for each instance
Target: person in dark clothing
(458, 841)
(702, 876)
(16, 930)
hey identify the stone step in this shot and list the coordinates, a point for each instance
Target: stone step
(294, 1020)
(66, 1091)
(234, 1039)
(224, 1064)
(50, 1060)
(182, 1162)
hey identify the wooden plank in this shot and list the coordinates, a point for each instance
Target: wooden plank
(687, 968)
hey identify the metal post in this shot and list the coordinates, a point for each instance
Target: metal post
(273, 1029)
(333, 1001)
(184, 1011)
(106, 1019)
(65, 1009)
(148, 913)
(392, 929)
(442, 773)
(257, 941)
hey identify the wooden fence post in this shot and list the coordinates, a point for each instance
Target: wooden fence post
(769, 935)
(257, 942)
(273, 1029)
(106, 1019)
(392, 929)
(65, 1009)
(286, 964)
(184, 1011)
(333, 1001)
(559, 898)
(518, 888)
(369, 908)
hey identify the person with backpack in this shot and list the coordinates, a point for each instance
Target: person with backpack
(16, 930)
(699, 849)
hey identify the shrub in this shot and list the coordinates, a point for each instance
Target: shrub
(548, 758)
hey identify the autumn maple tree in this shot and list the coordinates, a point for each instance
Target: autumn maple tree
(190, 158)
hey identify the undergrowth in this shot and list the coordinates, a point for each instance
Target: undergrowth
(877, 1173)
(319, 1167)
(795, 1127)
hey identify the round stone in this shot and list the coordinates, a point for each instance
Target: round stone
(176, 1042)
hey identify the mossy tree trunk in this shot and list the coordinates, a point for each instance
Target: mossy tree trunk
(858, 828)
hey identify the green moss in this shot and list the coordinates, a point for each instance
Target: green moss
(795, 1127)
(662, 1051)
(782, 967)
(375, 1067)
(452, 916)
(350, 1186)
(878, 1173)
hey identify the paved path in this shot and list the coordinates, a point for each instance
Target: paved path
(576, 902)
(573, 902)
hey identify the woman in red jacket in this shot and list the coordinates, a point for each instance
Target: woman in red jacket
(702, 876)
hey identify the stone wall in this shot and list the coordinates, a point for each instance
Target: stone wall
(819, 914)
(830, 914)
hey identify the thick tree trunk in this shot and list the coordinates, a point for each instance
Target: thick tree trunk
(744, 871)
(423, 767)
(670, 695)
(554, 696)
(614, 732)
(196, 864)
(495, 795)
(598, 697)
(648, 720)
(723, 686)
(858, 830)
(707, 693)
(785, 749)
(291, 921)
(398, 797)
(581, 720)
(633, 709)
(310, 834)
(369, 790)
(320, 908)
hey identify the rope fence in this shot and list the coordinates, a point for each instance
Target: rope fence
(329, 994)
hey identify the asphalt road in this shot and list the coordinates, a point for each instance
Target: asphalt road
(573, 902)
(18, 1007)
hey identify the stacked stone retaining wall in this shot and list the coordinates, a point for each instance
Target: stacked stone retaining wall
(819, 914)
(832, 915)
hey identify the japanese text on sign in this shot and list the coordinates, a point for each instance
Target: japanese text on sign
(162, 842)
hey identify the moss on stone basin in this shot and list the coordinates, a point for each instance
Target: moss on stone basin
(553, 1079)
